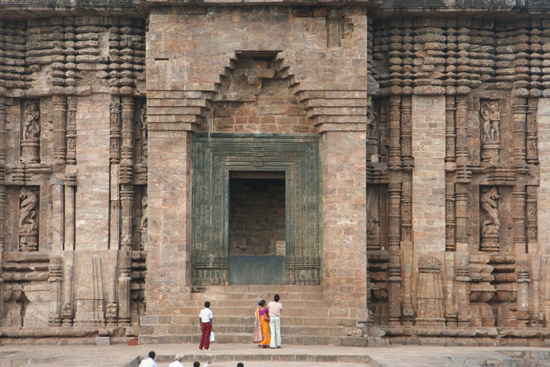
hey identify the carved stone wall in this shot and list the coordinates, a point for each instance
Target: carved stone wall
(117, 130)
(65, 263)
(486, 77)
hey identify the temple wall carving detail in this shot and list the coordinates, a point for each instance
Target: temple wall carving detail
(405, 154)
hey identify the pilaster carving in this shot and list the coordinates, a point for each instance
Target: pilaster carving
(59, 128)
(124, 280)
(70, 191)
(71, 129)
(56, 291)
(430, 301)
(450, 224)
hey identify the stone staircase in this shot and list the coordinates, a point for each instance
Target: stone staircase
(305, 318)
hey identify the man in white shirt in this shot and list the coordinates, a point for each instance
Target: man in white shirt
(205, 317)
(149, 362)
(177, 362)
(275, 308)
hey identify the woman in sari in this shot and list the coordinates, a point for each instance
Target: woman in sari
(261, 326)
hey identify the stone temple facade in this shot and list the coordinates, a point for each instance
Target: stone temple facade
(379, 164)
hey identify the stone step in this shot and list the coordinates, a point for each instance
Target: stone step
(259, 292)
(249, 329)
(247, 311)
(246, 301)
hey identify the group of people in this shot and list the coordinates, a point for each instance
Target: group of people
(267, 328)
(267, 331)
(150, 361)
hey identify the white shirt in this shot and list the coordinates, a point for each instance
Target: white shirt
(176, 364)
(149, 362)
(206, 315)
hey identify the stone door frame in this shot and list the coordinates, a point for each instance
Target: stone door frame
(215, 155)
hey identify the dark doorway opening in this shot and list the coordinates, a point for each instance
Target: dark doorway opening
(256, 213)
(257, 224)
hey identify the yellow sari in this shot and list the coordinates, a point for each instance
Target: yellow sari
(261, 328)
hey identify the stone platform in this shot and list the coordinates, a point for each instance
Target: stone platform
(226, 355)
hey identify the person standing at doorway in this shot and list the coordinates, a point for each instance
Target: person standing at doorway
(275, 308)
(205, 318)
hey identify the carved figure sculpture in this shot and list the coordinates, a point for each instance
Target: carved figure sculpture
(27, 214)
(31, 128)
(372, 122)
(490, 123)
(491, 225)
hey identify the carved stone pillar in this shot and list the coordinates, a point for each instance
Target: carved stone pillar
(394, 289)
(461, 129)
(114, 233)
(461, 193)
(394, 160)
(127, 205)
(450, 136)
(70, 188)
(463, 289)
(71, 130)
(531, 213)
(67, 313)
(522, 279)
(144, 135)
(58, 217)
(59, 125)
(28, 219)
(30, 141)
(55, 278)
(111, 309)
(430, 308)
(114, 154)
(518, 215)
(537, 316)
(450, 224)
(126, 172)
(394, 191)
(532, 148)
(519, 109)
(124, 280)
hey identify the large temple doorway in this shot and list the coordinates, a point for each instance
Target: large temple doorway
(225, 162)
(257, 227)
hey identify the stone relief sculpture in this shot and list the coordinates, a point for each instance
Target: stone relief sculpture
(27, 219)
(488, 202)
(372, 121)
(30, 144)
(31, 122)
(491, 225)
(490, 124)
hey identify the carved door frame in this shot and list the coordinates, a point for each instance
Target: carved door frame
(214, 156)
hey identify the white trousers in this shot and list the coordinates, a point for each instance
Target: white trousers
(275, 331)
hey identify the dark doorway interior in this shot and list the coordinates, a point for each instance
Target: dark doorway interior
(256, 213)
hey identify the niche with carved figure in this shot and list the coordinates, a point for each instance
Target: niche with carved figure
(494, 218)
(30, 132)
